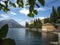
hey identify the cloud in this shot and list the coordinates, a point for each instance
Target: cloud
(24, 11)
(42, 9)
(39, 18)
(24, 22)
(13, 13)
(21, 21)
(1, 19)
(2, 2)
(4, 16)
(49, 0)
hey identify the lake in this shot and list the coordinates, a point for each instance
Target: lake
(28, 37)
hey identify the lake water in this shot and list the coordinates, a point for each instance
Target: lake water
(27, 37)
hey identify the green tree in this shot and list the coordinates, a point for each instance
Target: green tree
(3, 35)
(27, 25)
(40, 23)
(53, 15)
(47, 20)
(58, 13)
(37, 23)
(34, 23)
(20, 3)
(58, 21)
(31, 26)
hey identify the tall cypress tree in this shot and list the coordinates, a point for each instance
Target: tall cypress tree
(53, 15)
(46, 20)
(58, 15)
(27, 25)
(58, 12)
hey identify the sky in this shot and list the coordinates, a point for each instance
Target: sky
(20, 14)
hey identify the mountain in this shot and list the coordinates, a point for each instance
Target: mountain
(11, 23)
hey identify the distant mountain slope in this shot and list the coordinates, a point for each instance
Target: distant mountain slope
(11, 23)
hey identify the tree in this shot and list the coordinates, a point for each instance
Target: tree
(46, 20)
(27, 25)
(31, 26)
(37, 23)
(3, 35)
(58, 21)
(58, 13)
(20, 3)
(40, 23)
(53, 15)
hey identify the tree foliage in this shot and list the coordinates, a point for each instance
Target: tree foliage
(3, 35)
(46, 20)
(58, 12)
(58, 21)
(3, 31)
(8, 41)
(36, 24)
(53, 15)
(20, 3)
(58, 15)
(26, 25)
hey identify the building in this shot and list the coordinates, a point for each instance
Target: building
(31, 22)
(42, 21)
(48, 27)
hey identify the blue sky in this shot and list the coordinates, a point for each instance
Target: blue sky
(20, 14)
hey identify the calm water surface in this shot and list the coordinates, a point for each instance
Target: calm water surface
(25, 37)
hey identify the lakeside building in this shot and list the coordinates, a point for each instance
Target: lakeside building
(48, 27)
(31, 22)
(42, 21)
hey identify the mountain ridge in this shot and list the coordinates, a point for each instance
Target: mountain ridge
(11, 23)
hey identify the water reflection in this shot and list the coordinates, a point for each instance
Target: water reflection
(28, 37)
(50, 36)
(33, 37)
